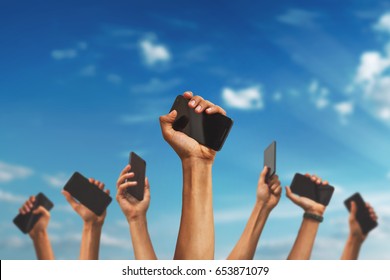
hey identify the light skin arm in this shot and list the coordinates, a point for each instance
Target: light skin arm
(135, 213)
(92, 228)
(356, 236)
(268, 196)
(196, 233)
(38, 233)
(304, 242)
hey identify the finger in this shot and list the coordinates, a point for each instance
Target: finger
(122, 188)
(195, 101)
(273, 187)
(123, 172)
(188, 94)
(128, 185)
(107, 191)
(203, 105)
(215, 109)
(308, 175)
(32, 199)
(21, 211)
(293, 197)
(147, 187)
(124, 177)
(325, 183)
(274, 180)
(278, 190)
(166, 123)
(26, 208)
(353, 210)
(263, 174)
(29, 204)
(70, 200)
(41, 210)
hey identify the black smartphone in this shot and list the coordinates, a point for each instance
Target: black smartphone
(362, 215)
(304, 186)
(209, 130)
(26, 222)
(87, 193)
(270, 159)
(324, 194)
(138, 166)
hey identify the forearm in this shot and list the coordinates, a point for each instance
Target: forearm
(90, 241)
(42, 246)
(246, 246)
(304, 242)
(196, 233)
(352, 248)
(142, 244)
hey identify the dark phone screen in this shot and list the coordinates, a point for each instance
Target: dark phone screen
(362, 214)
(303, 186)
(138, 166)
(270, 159)
(209, 130)
(87, 193)
(26, 222)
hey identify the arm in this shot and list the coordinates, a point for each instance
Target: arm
(196, 234)
(268, 196)
(38, 233)
(135, 213)
(92, 228)
(356, 236)
(304, 242)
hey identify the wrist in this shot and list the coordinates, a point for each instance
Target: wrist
(263, 207)
(313, 216)
(356, 238)
(93, 224)
(138, 218)
(36, 234)
(192, 161)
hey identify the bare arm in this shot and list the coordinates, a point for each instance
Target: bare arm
(92, 227)
(135, 213)
(268, 196)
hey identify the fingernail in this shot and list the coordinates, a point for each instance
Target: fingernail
(198, 108)
(192, 102)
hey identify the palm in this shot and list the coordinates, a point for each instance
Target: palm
(89, 216)
(133, 207)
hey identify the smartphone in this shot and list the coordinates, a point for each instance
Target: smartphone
(138, 166)
(87, 193)
(362, 215)
(304, 186)
(270, 159)
(209, 130)
(26, 222)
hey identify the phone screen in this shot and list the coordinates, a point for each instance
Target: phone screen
(270, 159)
(209, 130)
(304, 186)
(138, 166)
(87, 193)
(26, 222)
(362, 215)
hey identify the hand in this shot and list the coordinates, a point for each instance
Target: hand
(185, 146)
(268, 193)
(355, 230)
(131, 207)
(87, 215)
(305, 203)
(43, 221)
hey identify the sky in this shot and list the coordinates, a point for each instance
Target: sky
(83, 83)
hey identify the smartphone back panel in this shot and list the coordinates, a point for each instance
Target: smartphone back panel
(209, 130)
(138, 166)
(87, 193)
(26, 222)
(362, 215)
(270, 159)
(303, 186)
(324, 194)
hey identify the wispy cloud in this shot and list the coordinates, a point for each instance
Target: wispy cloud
(319, 94)
(57, 180)
(114, 79)
(64, 54)
(9, 172)
(231, 215)
(154, 53)
(383, 23)
(10, 197)
(156, 85)
(298, 17)
(245, 99)
(113, 241)
(88, 71)
(137, 119)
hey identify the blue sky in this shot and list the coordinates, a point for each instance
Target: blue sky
(83, 84)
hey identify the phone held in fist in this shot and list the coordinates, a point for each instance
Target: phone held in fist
(138, 166)
(270, 159)
(210, 130)
(362, 215)
(27, 221)
(87, 193)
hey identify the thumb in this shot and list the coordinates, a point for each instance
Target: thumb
(263, 174)
(294, 198)
(167, 120)
(353, 210)
(70, 200)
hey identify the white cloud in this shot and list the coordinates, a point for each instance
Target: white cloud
(57, 180)
(245, 99)
(9, 197)
(88, 71)
(114, 78)
(64, 54)
(154, 53)
(298, 17)
(384, 23)
(9, 172)
(319, 94)
(107, 240)
(156, 85)
(136, 119)
(344, 109)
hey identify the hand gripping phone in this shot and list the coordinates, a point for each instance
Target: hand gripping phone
(210, 130)
(362, 215)
(304, 186)
(26, 222)
(270, 159)
(138, 166)
(87, 193)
